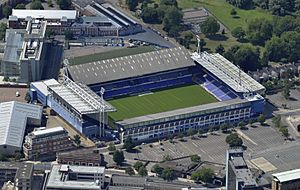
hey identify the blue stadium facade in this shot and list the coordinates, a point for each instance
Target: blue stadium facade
(239, 95)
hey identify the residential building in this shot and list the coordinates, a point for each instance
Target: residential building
(82, 157)
(43, 144)
(75, 177)
(238, 175)
(288, 180)
(14, 117)
(20, 174)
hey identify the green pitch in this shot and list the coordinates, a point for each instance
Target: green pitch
(160, 101)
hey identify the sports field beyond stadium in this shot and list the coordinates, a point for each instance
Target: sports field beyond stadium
(160, 101)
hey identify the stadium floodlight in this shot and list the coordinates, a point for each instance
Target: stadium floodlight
(198, 48)
(101, 114)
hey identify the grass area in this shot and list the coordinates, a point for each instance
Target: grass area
(110, 54)
(221, 9)
(160, 101)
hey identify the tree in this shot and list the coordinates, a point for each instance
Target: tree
(259, 31)
(50, 4)
(27, 97)
(138, 165)
(261, 119)
(49, 33)
(195, 158)
(277, 121)
(118, 157)
(192, 131)
(202, 44)
(150, 15)
(157, 169)
(220, 49)
(69, 35)
(210, 26)
(233, 12)
(132, 4)
(238, 33)
(224, 127)
(128, 144)
(286, 91)
(64, 4)
(3, 27)
(251, 121)
(171, 22)
(6, 11)
(3, 157)
(20, 6)
(167, 158)
(242, 4)
(169, 2)
(111, 147)
(276, 49)
(241, 125)
(129, 171)
(36, 4)
(200, 132)
(77, 140)
(143, 171)
(168, 174)
(204, 174)
(281, 7)
(234, 140)
(284, 131)
(247, 58)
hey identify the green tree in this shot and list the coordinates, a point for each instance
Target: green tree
(3, 27)
(27, 97)
(36, 4)
(3, 157)
(49, 33)
(233, 12)
(168, 174)
(118, 157)
(132, 4)
(138, 165)
(234, 140)
(220, 49)
(204, 174)
(224, 127)
(286, 91)
(195, 158)
(77, 140)
(241, 125)
(202, 44)
(247, 58)
(210, 26)
(200, 132)
(284, 131)
(238, 33)
(251, 121)
(64, 4)
(242, 4)
(129, 171)
(276, 49)
(111, 147)
(20, 6)
(292, 41)
(169, 2)
(128, 144)
(167, 158)
(6, 11)
(171, 22)
(150, 15)
(192, 132)
(69, 35)
(259, 31)
(157, 169)
(261, 119)
(50, 3)
(143, 171)
(277, 121)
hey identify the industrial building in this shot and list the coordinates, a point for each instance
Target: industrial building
(75, 177)
(75, 103)
(14, 117)
(238, 175)
(102, 20)
(288, 180)
(20, 174)
(43, 144)
(238, 94)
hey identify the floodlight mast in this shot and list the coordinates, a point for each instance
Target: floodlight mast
(198, 48)
(102, 114)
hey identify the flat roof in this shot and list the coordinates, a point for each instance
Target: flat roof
(287, 175)
(13, 120)
(131, 66)
(13, 45)
(181, 111)
(24, 170)
(54, 179)
(227, 72)
(46, 14)
(47, 131)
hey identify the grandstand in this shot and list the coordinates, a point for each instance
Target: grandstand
(162, 93)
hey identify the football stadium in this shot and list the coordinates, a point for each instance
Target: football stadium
(162, 93)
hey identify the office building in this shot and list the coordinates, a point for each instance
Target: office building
(75, 177)
(43, 144)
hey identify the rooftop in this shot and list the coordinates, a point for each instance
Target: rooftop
(131, 66)
(13, 120)
(227, 72)
(24, 170)
(47, 131)
(83, 153)
(13, 46)
(46, 14)
(182, 111)
(55, 182)
(287, 176)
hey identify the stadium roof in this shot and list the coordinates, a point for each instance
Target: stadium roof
(177, 112)
(13, 120)
(79, 97)
(227, 72)
(131, 66)
(287, 175)
(47, 14)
